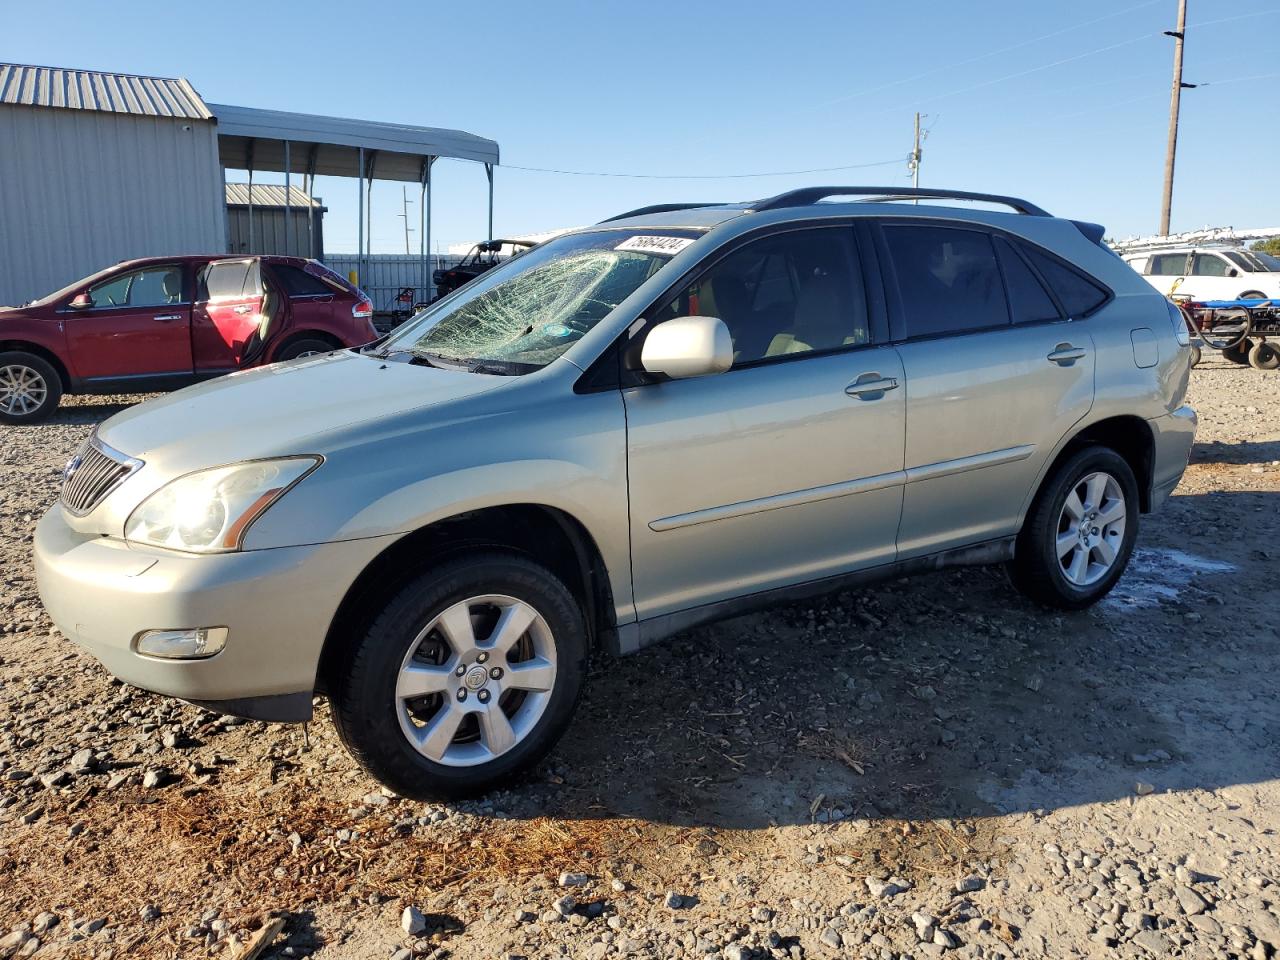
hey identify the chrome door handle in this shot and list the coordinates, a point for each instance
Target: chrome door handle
(871, 383)
(1065, 354)
(241, 309)
(167, 316)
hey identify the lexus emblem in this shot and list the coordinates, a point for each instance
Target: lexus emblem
(72, 466)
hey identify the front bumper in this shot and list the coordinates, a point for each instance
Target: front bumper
(276, 604)
(1174, 434)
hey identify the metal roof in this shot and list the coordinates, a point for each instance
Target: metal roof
(29, 86)
(395, 151)
(268, 195)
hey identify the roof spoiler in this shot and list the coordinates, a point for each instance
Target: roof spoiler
(1094, 232)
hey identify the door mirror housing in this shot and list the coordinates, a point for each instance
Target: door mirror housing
(81, 301)
(688, 347)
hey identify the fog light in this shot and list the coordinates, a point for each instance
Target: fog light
(181, 644)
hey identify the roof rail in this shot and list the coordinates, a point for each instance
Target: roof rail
(658, 208)
(807, 195)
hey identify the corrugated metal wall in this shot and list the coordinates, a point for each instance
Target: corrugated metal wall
(269, 232)
(80, 190)
(388, 273)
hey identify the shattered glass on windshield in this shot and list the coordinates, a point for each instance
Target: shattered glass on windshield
(526, 313)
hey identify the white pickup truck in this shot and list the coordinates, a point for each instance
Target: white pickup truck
(1210, 273)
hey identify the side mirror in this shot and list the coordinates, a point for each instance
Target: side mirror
(1233, 272)
(81, 301)
(688, 347)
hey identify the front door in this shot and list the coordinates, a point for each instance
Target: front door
(137, 328)
(229, 313)
(996, 375)
(785, 469)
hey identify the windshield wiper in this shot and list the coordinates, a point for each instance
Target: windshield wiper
(501, 368)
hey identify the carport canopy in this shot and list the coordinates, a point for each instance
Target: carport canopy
(312, 145)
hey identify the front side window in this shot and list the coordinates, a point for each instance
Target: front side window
(1168, 265)
(525, 313)
(1208, 265)
(149, 287)
(796, 292)
(948, 279)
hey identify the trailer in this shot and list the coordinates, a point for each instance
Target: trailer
(1238, 329)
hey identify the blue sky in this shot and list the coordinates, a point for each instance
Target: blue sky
(1063, 103)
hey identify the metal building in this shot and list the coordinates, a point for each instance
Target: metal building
(259, 211)
(96, 168)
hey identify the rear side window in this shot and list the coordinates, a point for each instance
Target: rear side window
(230, 280)
(1168, 265)
(1028, 298)
(948, 279)
(299, 283)
(1078, 294)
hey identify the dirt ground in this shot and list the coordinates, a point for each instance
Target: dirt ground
(929, 767)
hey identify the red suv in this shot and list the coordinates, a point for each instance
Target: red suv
(165, 322)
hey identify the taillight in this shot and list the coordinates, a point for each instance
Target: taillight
(1179, 321)
(362, 309)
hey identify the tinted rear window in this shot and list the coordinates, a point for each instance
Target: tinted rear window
(1078, 294)
(948, 279)
(299, 283)
(1030, 301)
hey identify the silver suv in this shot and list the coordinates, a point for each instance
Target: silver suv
(674, 416)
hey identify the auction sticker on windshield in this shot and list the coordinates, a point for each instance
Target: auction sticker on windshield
(665, 246)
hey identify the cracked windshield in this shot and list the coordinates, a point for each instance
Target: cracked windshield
(529, 311)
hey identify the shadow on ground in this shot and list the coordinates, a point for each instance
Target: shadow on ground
(942, 696)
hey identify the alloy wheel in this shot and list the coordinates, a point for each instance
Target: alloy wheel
(22, 390)
(476, 680)
(1091, 529)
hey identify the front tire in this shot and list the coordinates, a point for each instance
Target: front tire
(29, 388)
(1080, 531)
(467, 677)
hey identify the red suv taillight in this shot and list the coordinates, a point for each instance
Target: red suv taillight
(362, 309)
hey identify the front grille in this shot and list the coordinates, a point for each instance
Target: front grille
(92, 473)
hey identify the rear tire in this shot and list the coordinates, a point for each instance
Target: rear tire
(1264, 356)
(1196, 355)
(1079, 534)
(304, 348)
(427, 731)
(1252, 295)
(29, 387)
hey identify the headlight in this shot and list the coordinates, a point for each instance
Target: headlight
(210, 511)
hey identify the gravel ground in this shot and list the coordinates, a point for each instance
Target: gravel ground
(932, 767)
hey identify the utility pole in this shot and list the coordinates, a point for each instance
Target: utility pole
(404, 200)
(913, 161)
(1179, 36)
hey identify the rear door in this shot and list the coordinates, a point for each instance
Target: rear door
(137, 328)
(229, 311)
(997, 371)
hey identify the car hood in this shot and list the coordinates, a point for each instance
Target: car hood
(300, 406)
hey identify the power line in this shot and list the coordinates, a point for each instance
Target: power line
(989, 54)
(703, 176)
